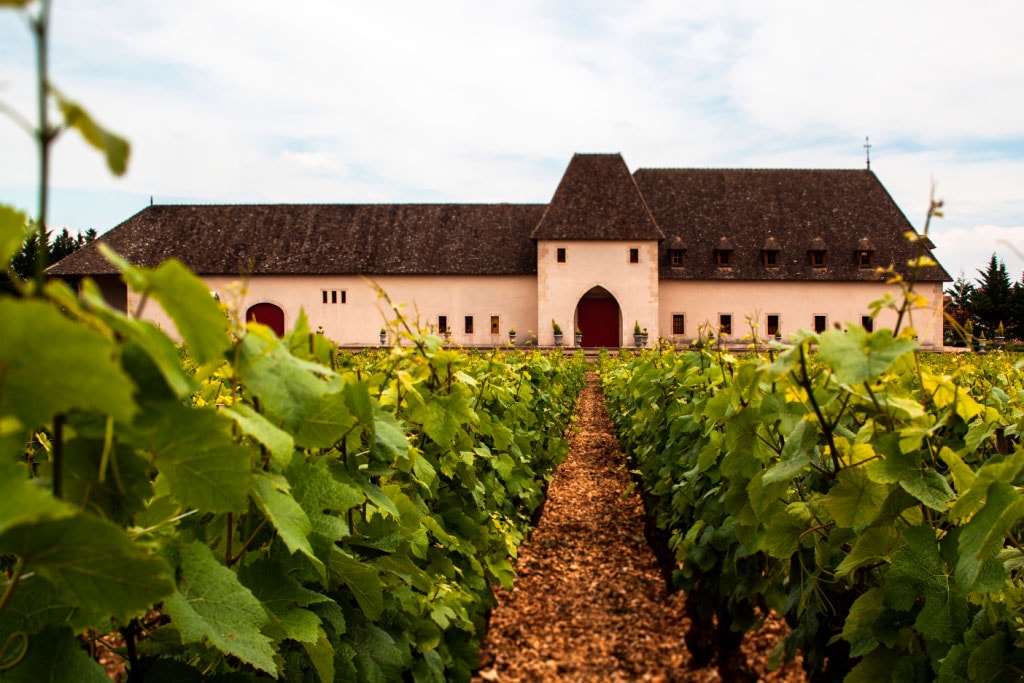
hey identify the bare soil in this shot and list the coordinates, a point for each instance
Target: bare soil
(590, 603)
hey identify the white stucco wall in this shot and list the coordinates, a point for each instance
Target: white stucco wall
(529, 304)
(796, 304)
(358, 321)
(597, 264)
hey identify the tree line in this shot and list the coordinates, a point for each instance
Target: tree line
(57, 247)
(981, 307)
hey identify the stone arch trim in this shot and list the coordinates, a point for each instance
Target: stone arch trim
(599, 318)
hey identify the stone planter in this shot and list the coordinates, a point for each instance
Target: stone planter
(512, 338)
(558, 339)
(640, 340)
(579, 339)
(383, 338)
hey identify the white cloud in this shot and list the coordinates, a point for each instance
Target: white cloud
(466, 101)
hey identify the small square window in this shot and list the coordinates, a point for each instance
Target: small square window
(495, 325)
(634, 255)
(725, 323)
(820, 323)
(771, 258)
(675, 257)
(868, 323)
(678, 324)
(864, 259)
(818, 259)
(722, 257)
(469, 324)
(773, 324)
(560, 254)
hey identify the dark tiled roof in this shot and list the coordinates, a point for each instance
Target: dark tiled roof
(792, 207)
(597, 199)
(315, 239)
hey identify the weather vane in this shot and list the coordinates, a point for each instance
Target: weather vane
(867, 149)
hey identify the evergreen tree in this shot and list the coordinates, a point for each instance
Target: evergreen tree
(993, 300)
(957, 306)
(24, 262)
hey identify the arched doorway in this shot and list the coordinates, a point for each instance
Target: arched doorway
(599, 319)
(267, 314)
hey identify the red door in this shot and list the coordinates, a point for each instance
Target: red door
(269, 315)
(598, 320)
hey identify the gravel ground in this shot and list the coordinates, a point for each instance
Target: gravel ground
(589, 603)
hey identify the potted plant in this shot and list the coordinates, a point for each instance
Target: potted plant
(969, 334)
(579, 337)
(512, 335)
(383, 337)
(557, 329)
(1000, 335)
(638, 335)
(778, 334)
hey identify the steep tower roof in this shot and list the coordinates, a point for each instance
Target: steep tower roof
(597, 199)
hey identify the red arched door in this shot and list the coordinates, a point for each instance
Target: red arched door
(269, 315)
(599, 319)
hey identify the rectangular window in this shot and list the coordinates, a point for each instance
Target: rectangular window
(442, 323)
(332, 295)
(864, 259)
(818, 259)
(722, 258)
(773, 324)
(495, 327)
(634, 255)
(771, 259)
(469, 324)
(560, 254)
(675, 257)
(725, 323)
(678, 324)
(867, 322)
(820, 323)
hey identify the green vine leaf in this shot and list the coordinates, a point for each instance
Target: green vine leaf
(39, 380)
(983, 537)
(55, 654)
(919, 572)
(195, 450)
(212, 606)
(115, 148)
(91, 563)
(858, 356)
(14, 230)
(856, 500)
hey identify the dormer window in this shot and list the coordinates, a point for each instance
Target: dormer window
(817, 253)
(865, 253)
(770, 253)
(723, 253)
(676, 252)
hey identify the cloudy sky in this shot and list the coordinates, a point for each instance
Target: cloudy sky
(477, 101)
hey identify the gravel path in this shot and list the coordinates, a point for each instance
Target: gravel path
(589, 603)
